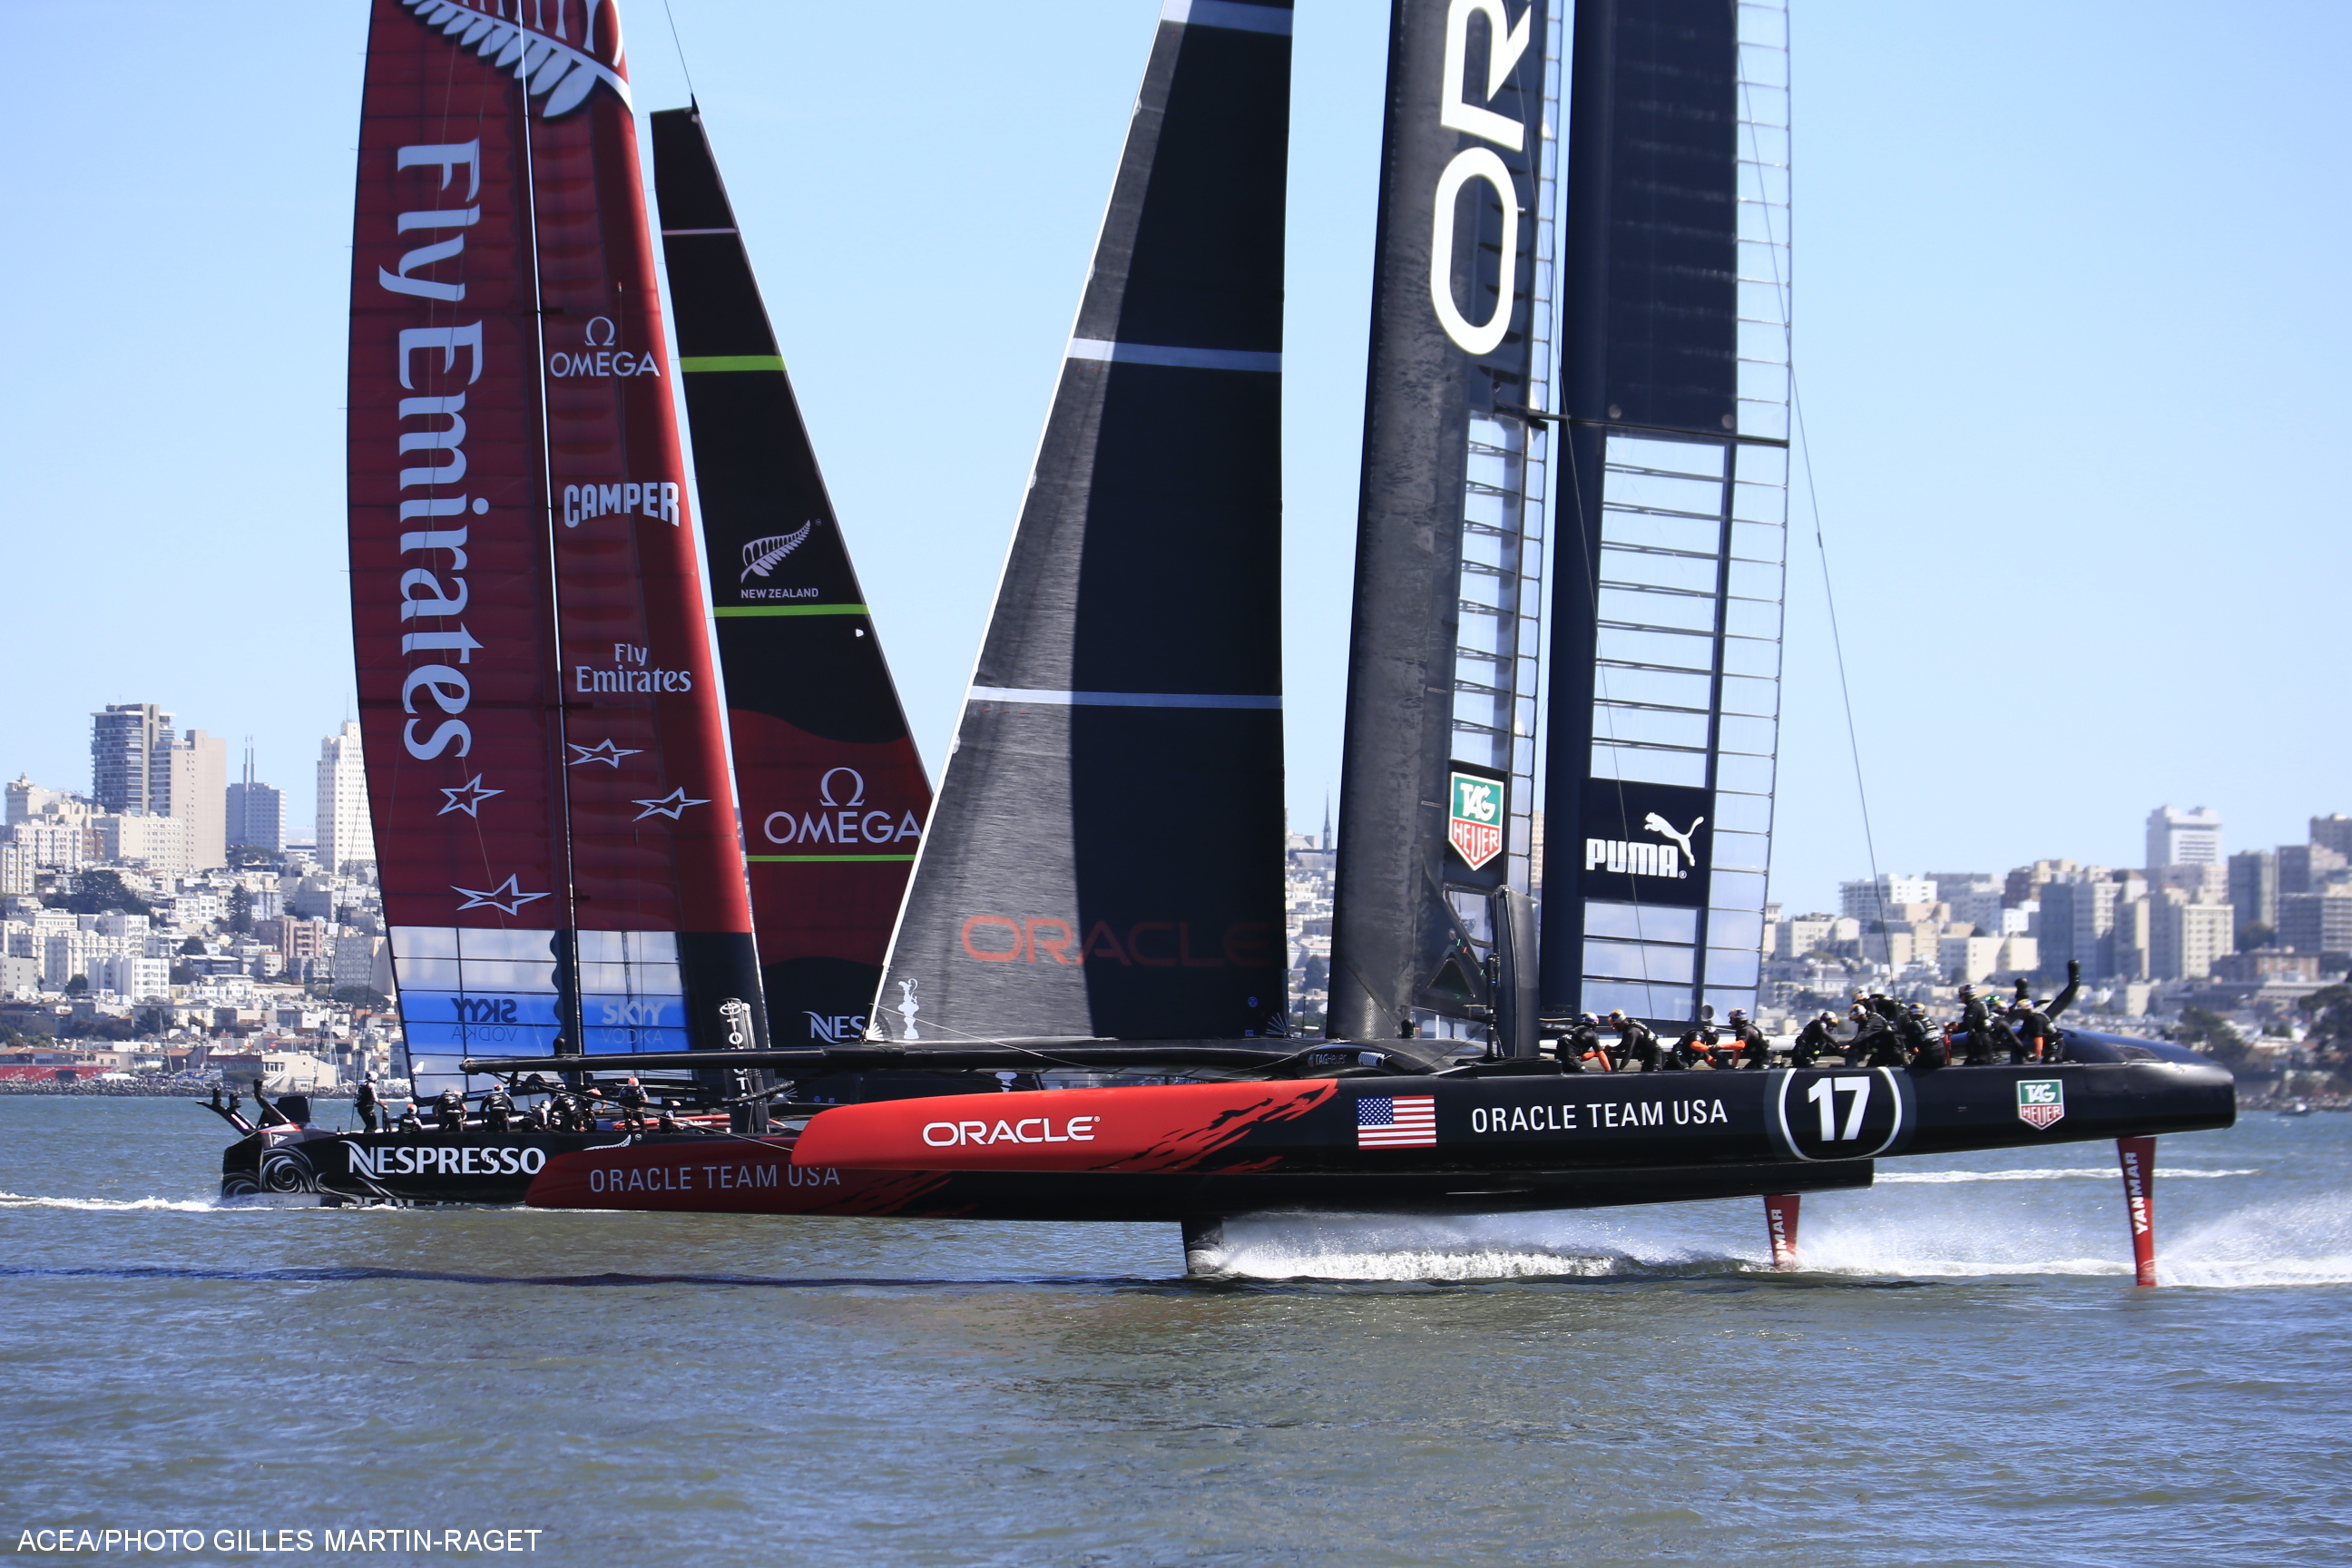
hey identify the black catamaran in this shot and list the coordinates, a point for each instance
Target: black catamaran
(1082, 1014)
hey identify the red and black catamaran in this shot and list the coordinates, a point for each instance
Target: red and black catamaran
(1572, 411)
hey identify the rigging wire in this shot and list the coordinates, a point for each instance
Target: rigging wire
(680, 47)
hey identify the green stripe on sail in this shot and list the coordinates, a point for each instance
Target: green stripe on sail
(788, 610)
(771, 860)
(732, 362)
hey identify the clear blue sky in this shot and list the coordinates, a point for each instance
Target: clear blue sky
(2071, 334)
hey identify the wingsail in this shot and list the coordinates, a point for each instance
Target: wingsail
(545, 763)
(833, 792)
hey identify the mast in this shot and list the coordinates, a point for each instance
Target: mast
(1665, 694)
(556, 827)
(1105, 855)
(1438, 775)
(833, 793)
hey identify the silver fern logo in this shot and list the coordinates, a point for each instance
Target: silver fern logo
(541, 62)
(760, 556)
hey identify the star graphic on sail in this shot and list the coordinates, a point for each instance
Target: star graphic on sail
(601, 752)
(505, 898)
(467, 797)
(668, 805)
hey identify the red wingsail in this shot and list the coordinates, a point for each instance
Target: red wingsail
(537, 702)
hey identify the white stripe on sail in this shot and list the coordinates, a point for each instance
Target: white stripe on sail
(1119, 698)
(1182, 359)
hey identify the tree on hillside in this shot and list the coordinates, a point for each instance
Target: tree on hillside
(99, 893)
(240, 910)
(2329, 1009)
(78, 985)
(2212, 1034)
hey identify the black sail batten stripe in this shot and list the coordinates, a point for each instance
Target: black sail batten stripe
(1397, 941)
(1105, 856)
(815, 723)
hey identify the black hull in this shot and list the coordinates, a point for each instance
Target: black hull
(1507, 1143)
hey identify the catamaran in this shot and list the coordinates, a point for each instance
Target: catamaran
(1574, 410)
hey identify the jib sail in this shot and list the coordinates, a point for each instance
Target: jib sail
(1432, 928)
(834, 793)
(1105, 856)
(554, 823)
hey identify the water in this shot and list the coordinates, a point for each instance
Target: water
(1963, 1375)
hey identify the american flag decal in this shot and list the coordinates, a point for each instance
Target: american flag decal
(1400, 1122)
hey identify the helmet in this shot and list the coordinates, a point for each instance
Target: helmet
(1588, 1018)
(1967, 992)
(1739, 1013)
(1616, 1014)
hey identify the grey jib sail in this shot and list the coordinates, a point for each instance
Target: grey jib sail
(1431, 921)
(1666, 599)
(1105, 855)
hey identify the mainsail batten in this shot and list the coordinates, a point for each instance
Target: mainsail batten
(556, 823)
(1106, 859)
(834, 793)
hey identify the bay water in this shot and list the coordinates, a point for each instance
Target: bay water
(1961, 1372)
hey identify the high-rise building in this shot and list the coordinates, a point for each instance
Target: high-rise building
(127, 743)
(2177, 837)
(2307, 868)
(195, 790)
(257, 813)
(2254, 887)
(2334, 832)
(1883, 897)
(140, 767)
(2317, 921)
(345, 833)
(2186, 936)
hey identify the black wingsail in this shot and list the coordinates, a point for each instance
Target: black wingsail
(833, 791)
(1436, 794)
(1105, 855)
(1665, 695)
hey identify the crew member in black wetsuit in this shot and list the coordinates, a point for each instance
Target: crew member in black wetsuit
(411, 1124)
(1635, 1043)
(497, 1108)
(1692, 1049)
(1975, 1024)
(1755, 1050)
(632, 1101)
(1576, 1047)
(1818, 1036)
(1924, 1046)
(369, 1108)
(449, 1111)
(1875, 1043)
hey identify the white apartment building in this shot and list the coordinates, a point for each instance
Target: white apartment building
(2177, 837)
(1870, 901)
(345, 833)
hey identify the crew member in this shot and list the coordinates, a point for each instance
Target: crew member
(1755, 1050)
(536, 1119)
(632, 1101)
(411, 1124)
(497, 1108)
(1926, 1046)
(1819, 1035)
(1976, 1023)
(1875, 1043)
(1635, 1043)
(449, 1111)
(2035, 1033)
(369, 1109)
(1692, 1050)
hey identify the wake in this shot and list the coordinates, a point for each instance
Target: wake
(108, 1205)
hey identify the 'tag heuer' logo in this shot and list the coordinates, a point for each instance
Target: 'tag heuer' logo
(1473, 819)
(2041, 1101)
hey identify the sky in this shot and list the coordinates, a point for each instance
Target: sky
(2071, 330)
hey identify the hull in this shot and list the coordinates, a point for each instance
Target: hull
(1197, 1151)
